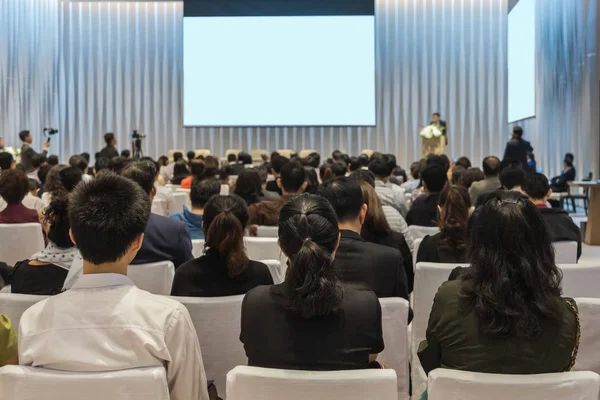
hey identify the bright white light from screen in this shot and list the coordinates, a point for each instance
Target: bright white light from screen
(279, 71)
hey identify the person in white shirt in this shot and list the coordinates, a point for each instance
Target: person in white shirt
(105, 323)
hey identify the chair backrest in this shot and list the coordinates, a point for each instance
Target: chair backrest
(217, 323)
(262, 248)
(368, 152)
(202, 152)
(419, 232)
(171, 152)
(19, 242)
(31, 383)
(197, 247)
(395, 336)
(275, 269)
(452, 384)
(588, 357)
(306, 152)
(156, 278)
(180, 199)
(416, 245)
(232, 151)
(183, 190)
(172, 187)
(224, 190)
(565, 252)
(257, 155)
(267, 231)
(251, 383)
(13, 305)
(159, 207)
(285, 152)
(580, 280)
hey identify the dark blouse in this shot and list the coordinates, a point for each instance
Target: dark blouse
(433, 251)
(38, 279)
(207, 276)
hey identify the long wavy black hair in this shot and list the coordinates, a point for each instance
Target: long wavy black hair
(513, 283)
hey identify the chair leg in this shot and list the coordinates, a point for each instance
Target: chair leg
(585, 206)
(574, 206)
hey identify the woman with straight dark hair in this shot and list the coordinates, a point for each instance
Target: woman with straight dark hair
(312, 179)
(180, 172)
(331, 326)
(224, 269)
(506, 314)
(450, 244)
(248, 186)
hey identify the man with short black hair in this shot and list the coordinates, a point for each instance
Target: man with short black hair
(110, 151)
(517, 148)
(82, 164)
(560, 183)
(378, 268)
(277, 163)
(424, 211)
(7, 161)
(70, 177)
(389, 193)
(27, 152)
(561, 226)
(101, 164)
(37, 160)
(292, 182)
(164, 239)
(491, 168)
(104, 322)
(512, 177)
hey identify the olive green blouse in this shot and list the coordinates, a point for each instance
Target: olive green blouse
(8, 340)
(454, 341)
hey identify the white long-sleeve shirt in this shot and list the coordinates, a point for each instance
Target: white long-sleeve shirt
(105, 323)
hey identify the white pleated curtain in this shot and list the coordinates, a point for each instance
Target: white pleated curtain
(94, 67)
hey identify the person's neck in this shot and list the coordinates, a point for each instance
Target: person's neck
(198, 210)
(384, 180)
(118, 267)
(354, 226)
(290, 194)
(490, 176)
(538, 202)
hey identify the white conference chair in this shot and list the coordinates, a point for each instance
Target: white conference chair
(180, 199)
(257, 155)
(31, 383)
(267, 231)
(159, 207)
(202, 152)
(275, 270)
(416, 244)
(285, 152)
(197, 247)
(224, 190)
(217, 323)
(172, 187)
(368, 152)
(580, 280)
(156, 278)
(262, 248)
(232, 151)
(183, 190)
(171, 152)
(395, 336)
(452, 384)
(13, 305)
(588, 357)
(251, 383)
(419, 232)
(565, 252)
(306, 152)
(19, 242)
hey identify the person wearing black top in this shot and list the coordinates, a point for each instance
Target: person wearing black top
(225, 269)
(449, 245)
(560, 183)
(424, 209)
(109, 151)
(517, 148)
(369, 265)
(277, 163)
(311, 321)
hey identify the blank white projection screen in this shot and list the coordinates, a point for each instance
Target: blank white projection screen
(279, 71)
(521, 61)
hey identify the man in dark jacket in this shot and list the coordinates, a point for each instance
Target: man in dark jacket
(110, 150)
(561, 226)
(559, 183)
(517, 148)
(27, 152)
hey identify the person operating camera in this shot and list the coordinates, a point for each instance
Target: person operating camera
(27, 152)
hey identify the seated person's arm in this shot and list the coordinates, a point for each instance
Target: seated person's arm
(8, 343)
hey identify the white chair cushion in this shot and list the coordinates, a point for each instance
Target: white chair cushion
(249, 383)
(417, 244)
(159, 207)
(588, 357)
(197, 247)
(565, 252)
(13, 305)
(451, 384)
(30, 383)
(395, 336)
(156, 278)
(180, 199)
(580, 280)
(267, 231)
(19, 242)
(261, 248)
(419, 232)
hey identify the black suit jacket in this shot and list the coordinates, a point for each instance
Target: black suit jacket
(559, 183)
(397, 241)
(371, 266)
(165, 239)
(516, 150)
(27, 153)
(109, 152)
(561, 226)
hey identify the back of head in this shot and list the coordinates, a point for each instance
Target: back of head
(472, 175)
(415, 170)
(512, 176)
(126, 154)
(455, 203)
(569, 159)
(337, 155)
(278, 162)
(23, 135)
(293, 177)
(309, 236)
(85, 156)
(245, 158)
(248, 186)
(211, 162)
(345, 196)
(180, 168)
(375, 221)
(191, 155)
(363, 175)
(53, 184)
(14, 186)
(354, 164)
(142, 173)
(202, 191)
(198, 169)
(464, 162)
(177, 156)
(338, 168)
(536, 186)
(33, 185)
(380, 166)
(6, 161)
(458, 174)
(231, 157)
(312, 160)
(364, 160)
(163, 161)
(117, 164)
(434, 177)
(53, 160)
(518, 131)
(513, 283)
(102, 164)
(437, 159)
(107, 214)
(312, 180)
(491, 166)
(224, 221)
(56, 216)
(70, 178)
(78, 162)
(37, 160)
(108, 138)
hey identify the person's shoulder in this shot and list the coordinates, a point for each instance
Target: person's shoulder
(165, 222)
(259, 294)
(177, 217)
(359, 295)
(379, 251)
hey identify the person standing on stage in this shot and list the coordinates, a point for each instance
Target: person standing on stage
(441, 125)
(27, 152)
(517, 149)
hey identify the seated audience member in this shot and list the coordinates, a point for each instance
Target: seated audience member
(353, 165)
(45, 272)
(249, 187)
(364, 161)
(191, 156)
(164, 239)
(245, 159)
(70, 178)
(121, 327)
(292, 181)
(167, 171)
(424, 210)
(180, 172)
(449, 245)
(233, 168)
(37, 160)
(560, 183)
(164, 193)
(376, 229)
(200, 193)
(511, 177)
(80, 163)
(163, 161)
(31, 199)
(463, 162)
(312, 180)
(388, 192)
(14, 186)
(43, 175)
(277, 162)
(332, 326)
(337, 168)
(117, 164)
(53, 160)
(561, 226)
(372, 266)
(199, 172)
(8, 343)
(53, 188)
(506, 312)
(458, 174)
(472, 175)
(491, 169)
(415, 180)
(531, 163)
(224, 269)
(7, 161)
(126, 154)
(110, 150)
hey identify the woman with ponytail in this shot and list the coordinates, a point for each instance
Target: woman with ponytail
(224, 269)
(448, 246)
(311, 321)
